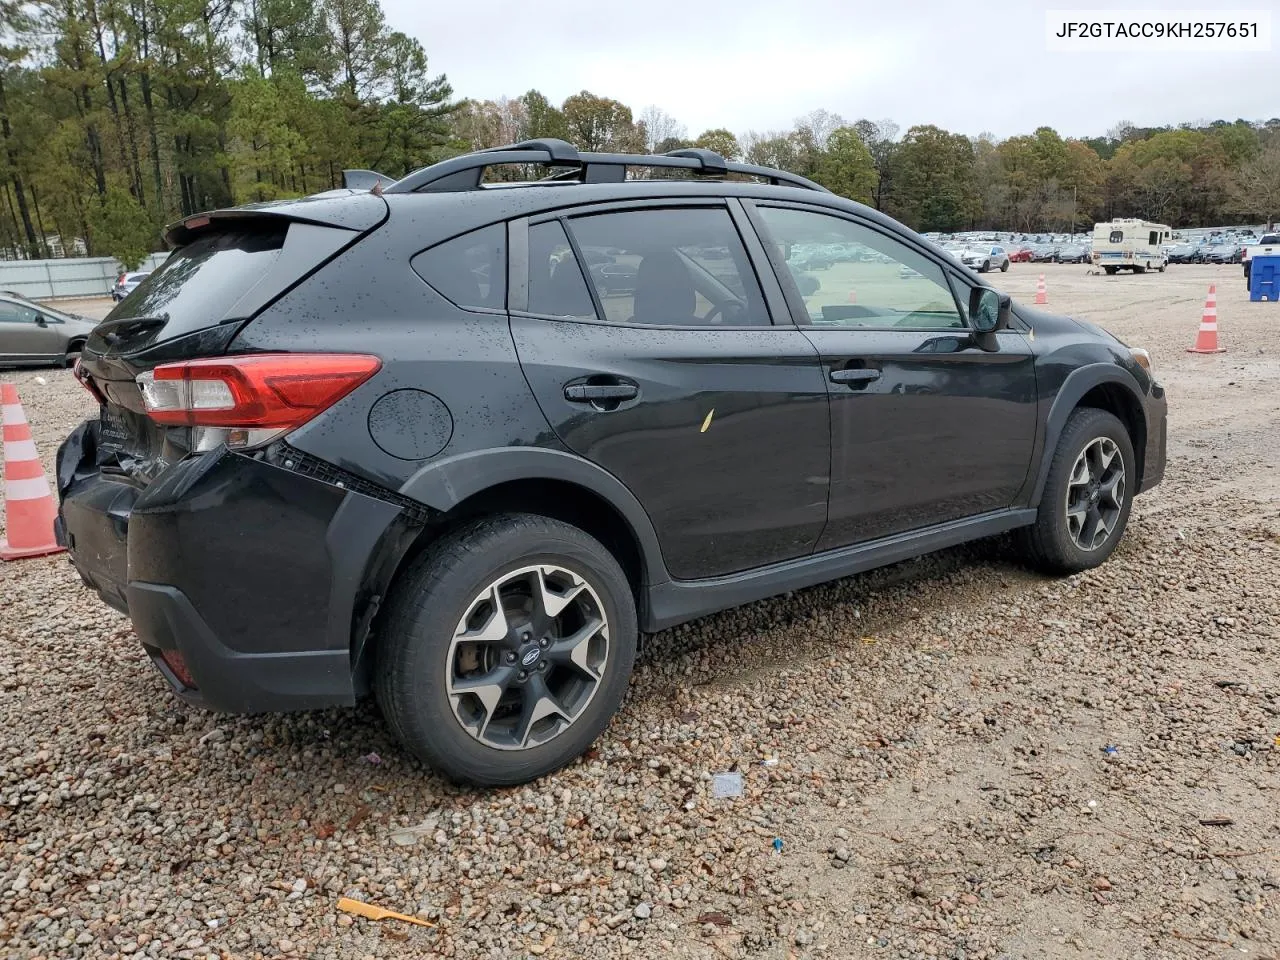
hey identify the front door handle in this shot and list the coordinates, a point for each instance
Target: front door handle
(855, 376)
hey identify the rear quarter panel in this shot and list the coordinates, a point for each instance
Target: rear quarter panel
(370, 300)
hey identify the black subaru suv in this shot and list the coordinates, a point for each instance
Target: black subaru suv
(458, 441)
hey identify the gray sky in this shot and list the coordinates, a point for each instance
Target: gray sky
(966, 65)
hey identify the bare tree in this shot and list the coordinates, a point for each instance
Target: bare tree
(660, 126)
(881, 138)
(820, 124)
(1258, 186)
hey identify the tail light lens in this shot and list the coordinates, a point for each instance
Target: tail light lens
(83, 378)
(250, 400)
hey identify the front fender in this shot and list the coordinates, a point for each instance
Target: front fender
(1078, 383)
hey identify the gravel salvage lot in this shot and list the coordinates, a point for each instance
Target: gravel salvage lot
(941, 787)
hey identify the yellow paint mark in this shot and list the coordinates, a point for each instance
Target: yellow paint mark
(707, 422)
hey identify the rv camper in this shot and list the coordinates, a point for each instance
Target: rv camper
(1130, 245)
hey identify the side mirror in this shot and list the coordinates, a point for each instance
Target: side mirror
(988, 310)
(41, 321)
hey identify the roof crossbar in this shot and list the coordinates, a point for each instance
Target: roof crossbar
(467, 171)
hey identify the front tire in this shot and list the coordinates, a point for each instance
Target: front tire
(1087, 498)
(507, 649)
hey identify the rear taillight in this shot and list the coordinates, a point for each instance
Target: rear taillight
(252, 399)
(83, 378)
(120, 279)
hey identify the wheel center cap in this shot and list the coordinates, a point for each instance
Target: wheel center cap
(531, 656)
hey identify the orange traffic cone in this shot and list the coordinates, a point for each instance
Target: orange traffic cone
(1041, 295)
(853, 296)
(1207, 338)
(28, 502)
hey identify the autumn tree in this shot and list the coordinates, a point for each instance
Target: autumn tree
(600, 124)
(846, 166)
(935, 182)
(721, 141)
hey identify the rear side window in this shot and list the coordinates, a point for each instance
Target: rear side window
(676, 267)
(199, 281)
(470, 270)
(1117, 236)
(556, 286)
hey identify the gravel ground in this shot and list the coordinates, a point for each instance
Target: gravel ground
(927, 743)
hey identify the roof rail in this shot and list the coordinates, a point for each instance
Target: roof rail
(467, 171)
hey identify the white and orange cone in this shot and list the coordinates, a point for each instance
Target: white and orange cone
(853, 296)
(1207, 338)
(28, 502)
(1042, 296)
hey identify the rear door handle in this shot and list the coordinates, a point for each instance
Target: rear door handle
(855, 376)
(600, 392)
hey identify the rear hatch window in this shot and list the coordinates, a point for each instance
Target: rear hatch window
(192, 307)
(196, 285)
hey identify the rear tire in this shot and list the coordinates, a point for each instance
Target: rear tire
(1109, 271)
(1085, 507)
(506, 650)
(1004, 267)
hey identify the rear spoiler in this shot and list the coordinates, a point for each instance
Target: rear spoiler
(366, 180)
(358, 211)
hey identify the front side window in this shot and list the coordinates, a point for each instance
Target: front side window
(852, 276)
(672, 267)
(470, 270)
(16, 313)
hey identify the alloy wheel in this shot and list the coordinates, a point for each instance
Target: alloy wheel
(527, 657)
(1095, 494)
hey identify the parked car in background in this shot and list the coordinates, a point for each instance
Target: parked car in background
(430, 462)
(984, 258)
(1223, 253)
(1072, 253)
(614, 277)
(1020, 254)
(36, 335)
(1043, 252)
(1182, 253)
(126, 283)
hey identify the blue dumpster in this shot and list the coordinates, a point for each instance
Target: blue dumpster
(1264, 278)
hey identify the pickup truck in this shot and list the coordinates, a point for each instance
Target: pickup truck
(1268, 246)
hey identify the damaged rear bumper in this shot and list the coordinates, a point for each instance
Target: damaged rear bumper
(246, 581)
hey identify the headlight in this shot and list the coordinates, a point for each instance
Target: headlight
(1141, 358)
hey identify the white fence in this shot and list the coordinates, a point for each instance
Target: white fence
(70, 277)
